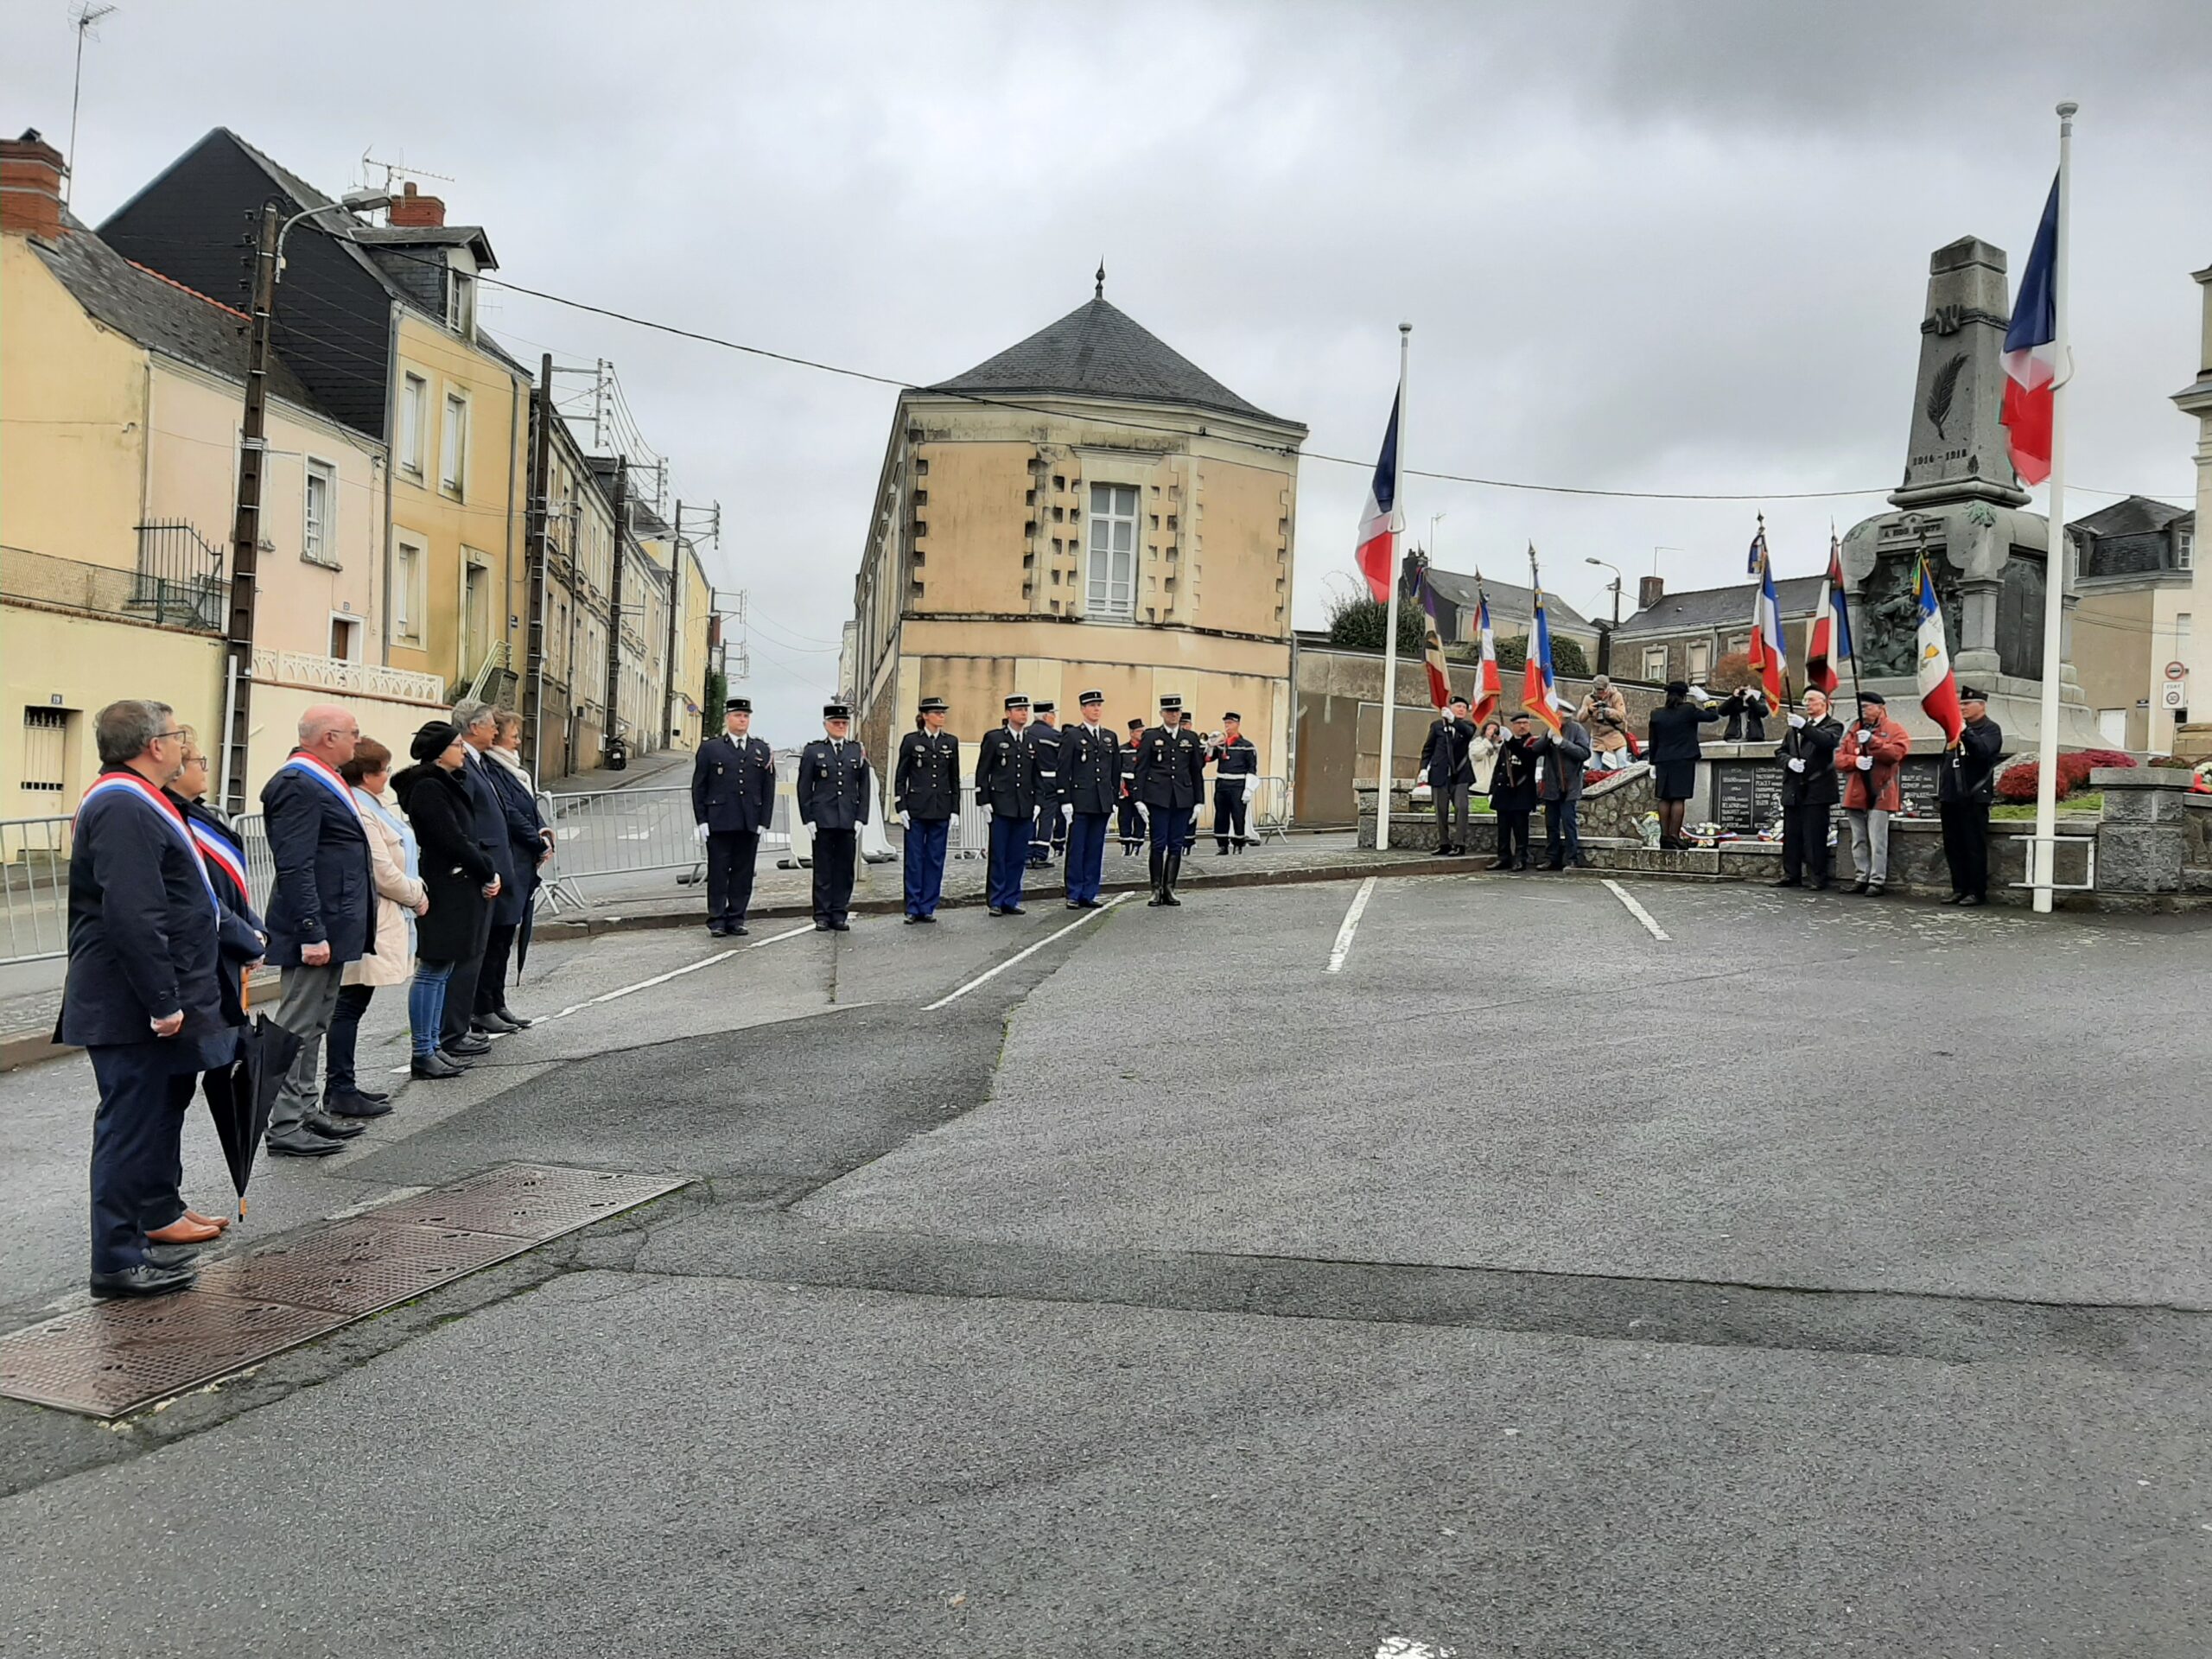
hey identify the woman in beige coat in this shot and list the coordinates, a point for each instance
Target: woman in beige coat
(399, 894)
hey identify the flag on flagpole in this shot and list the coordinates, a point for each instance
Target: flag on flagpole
(1440, 677)
(1538, 695)
(1380, 524)
(1830, 640)
(1939, 690)
(2032, 353)
(1769, 660)
(1490, 689)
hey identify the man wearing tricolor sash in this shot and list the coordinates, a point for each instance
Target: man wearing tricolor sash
(142, 995)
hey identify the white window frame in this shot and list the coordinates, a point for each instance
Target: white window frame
(1691, 671)
(2185, 549)
(410, 558)
(453, 436)
(358, 624)
(414, 418)
(1659, 651)
(319, 540)
(461, 302)
(1098, 591)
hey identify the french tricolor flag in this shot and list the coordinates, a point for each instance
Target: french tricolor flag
(1830, 642)
(1490, 689)
(1379, 525)
(1939, 690)
(1768, 658)
(2031, 355)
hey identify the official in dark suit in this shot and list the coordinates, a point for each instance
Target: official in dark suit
(1513, 793)
(834, 793)
(1007, 787)
(1449, 770)
(1090, 788)
(1808, 793)
(321, 911)
(460, 877)
(143, 996)
(925, 790)
(1170, 782)
(464, 1035)
(1562, 757)
(529, 844)
(1130, 826)
(1235, 762)
(1965, 784)
(733, 800)
(1049, 833)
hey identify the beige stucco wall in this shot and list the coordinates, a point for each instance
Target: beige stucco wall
(2123, 640)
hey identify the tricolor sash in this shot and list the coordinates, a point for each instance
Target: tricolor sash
(221, 854)
(131, 784)
(307, 765)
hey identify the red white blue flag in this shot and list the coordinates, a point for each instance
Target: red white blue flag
(1769, 660)
(1538, 695)
(1490, 689)
(1380, 524)
(1939, 690)
(1830, 641)
(2032, 353)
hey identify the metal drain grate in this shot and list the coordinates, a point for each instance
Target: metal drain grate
(113, 1358)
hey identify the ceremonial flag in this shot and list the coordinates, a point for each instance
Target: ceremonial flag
(1769, 660)
(1830, 641)
(1379, 525)
(2032, 353)
(1939, 690)
(1440, 679)
(1537, 694)
(1490, 689)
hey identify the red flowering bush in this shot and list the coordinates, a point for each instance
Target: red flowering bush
(2020, 783)
(2106, 758)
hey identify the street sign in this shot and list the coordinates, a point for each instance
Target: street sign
(2173, 694)
(2176, 671)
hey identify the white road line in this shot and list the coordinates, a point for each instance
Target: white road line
(1635, 910)
(1343, 946)
(989, 973)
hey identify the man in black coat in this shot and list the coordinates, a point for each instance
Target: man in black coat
(1050, 832)
(1449, 772)
(733, 800)
(1007, 787)
(834, 792)
(1562, 756)
(1964, 787)
(1090, 787)
(1236, 767)
(1170, 782)
(1808, 793)
(925, 792)
(322, 914)
(463, 1033)
(1513, 793)
(143, 995)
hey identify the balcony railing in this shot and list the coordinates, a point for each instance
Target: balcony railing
(177, 564)
(193, 602)
(360, 679)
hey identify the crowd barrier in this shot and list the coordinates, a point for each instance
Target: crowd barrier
(34, 888)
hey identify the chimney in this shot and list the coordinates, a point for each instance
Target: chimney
(31, 186)
(420, 212)
(1649, 590)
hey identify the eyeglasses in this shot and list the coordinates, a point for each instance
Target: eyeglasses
(159, 737)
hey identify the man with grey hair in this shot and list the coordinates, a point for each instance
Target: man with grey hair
(143, 996)
(464, 1032)
(321, 911)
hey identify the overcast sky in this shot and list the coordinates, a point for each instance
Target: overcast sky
(1667, 247)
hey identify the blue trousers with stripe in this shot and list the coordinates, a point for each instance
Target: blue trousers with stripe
(1086, 855)
(1009, 856)
(924, 860)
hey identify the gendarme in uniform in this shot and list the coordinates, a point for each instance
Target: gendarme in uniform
(834, 791)
(733, 799)
(1170, 780)
(926, 792)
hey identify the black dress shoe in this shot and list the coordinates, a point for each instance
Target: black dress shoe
(1819, 887)
(840, 925)
(433, 1067)
(1972, 901)
(1501, 864)
(1015, 910)
(353, 1103)
(1786, 882)
(911, 920)
(995, 910)
(1874, 889)
(375, 1096)
(1092, 903)
(514, 1018)
(927, 921)
(459, 1062)
(493, 1024)
(303, 1143)
(175, 1255)
(1170, 899)
(468, 1047)
(331, 1128)
(1860, 885)
(1953, 899)
(716, 931)
(146, 1279)
(736, 930)
(822, 927)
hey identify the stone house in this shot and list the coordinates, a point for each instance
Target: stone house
(2135, 574)
(1681, 636)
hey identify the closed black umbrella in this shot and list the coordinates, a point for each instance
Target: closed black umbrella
(240, 1096)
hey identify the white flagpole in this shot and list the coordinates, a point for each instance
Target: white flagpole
(1390, 621)
(2056, 560)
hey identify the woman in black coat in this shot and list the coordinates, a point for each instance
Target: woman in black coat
(1672, 751)
(461, 877)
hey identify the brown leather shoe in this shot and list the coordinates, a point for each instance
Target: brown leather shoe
(218, 1222)
(183, 1231)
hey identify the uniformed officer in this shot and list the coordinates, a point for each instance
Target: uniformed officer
(1170, 782)
(834, 793)
(1235, 764)
(1007, 788)
(1091, 783)
(1964, 789)
(1130, 828)
(925, 788)
(1184, 724)
(733, 797)
(1050, 834)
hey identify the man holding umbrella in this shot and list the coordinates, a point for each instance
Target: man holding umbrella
(142, 996)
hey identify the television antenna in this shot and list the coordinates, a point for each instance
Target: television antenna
(84, 17)
(394, 171)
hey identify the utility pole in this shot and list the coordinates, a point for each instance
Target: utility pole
(675, 594)
(540, 538)
(614, 597)
(245, 529)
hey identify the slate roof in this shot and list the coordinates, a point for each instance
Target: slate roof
(471, 237)
(160, 314)
(2134, 515)
(1720, 607)
(1505, 599)
(1098, 351)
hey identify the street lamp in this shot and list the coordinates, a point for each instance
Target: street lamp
(1605, 635)
(353, 201)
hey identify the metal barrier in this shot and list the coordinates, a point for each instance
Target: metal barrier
(34, 888)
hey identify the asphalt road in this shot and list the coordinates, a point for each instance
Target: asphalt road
(1823, 1278)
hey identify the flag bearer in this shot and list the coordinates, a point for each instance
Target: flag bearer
(1007, 788)
(1170, 782)
(1964, 789)
(926, 789)
(733, 799)
(1091, 783)
(834, 792)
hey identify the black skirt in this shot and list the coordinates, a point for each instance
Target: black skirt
(1675, 780)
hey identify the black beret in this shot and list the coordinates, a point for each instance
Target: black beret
(434, 739)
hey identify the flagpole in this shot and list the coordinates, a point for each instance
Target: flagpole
(1390, 618)
(2054, 560)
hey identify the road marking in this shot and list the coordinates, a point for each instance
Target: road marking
(989, 973)
(1635, 910)
(1342, 945)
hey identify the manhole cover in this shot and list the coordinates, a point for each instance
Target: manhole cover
(113, 1358)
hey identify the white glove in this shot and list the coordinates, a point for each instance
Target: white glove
(703, 833)
(1699, 693)
(1796, 722)
(1865, 763)
(1067, 811)
(1796, 766)
(906, 821)
(956, 820)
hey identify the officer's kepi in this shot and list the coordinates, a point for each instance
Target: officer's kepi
(738, 706)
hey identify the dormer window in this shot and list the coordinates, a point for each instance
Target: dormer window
(460, 303)
(2185, 549)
